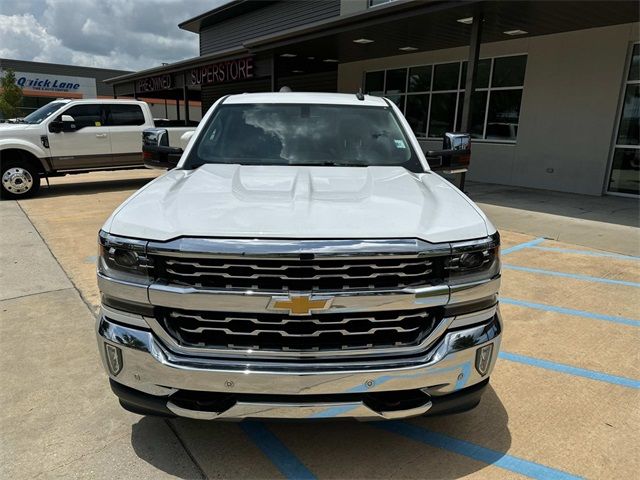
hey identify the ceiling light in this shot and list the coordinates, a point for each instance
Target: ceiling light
(363, 40)
(330, 60)
(297, 71)
(515, 32)
(466, 20)
(408, 49)
(311, 58)
(288, 55)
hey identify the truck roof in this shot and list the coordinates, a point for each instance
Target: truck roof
(306, 97)
(97, 100)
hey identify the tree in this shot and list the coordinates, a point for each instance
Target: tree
(10, 95)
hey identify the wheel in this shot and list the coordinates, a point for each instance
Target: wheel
(19, 179)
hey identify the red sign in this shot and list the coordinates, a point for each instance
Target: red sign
(152, 84)
(223, 72)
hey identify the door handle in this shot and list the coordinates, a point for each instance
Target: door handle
(101, 135)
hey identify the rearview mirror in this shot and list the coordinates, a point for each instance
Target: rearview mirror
(455, 153)
(156, 151)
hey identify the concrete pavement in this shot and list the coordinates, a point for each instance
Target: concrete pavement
(563, 402)
(59, 418)
(607, 223)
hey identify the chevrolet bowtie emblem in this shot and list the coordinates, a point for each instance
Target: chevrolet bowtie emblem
(300, 304)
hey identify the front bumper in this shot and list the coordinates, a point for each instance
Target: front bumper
(159, 381)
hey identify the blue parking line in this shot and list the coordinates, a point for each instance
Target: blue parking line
(570, 311)
(568, 369)
(587, 252)
(288, 464)
(476, 452)
(575, 276)
(522, 246)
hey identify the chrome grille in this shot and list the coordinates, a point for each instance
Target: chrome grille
(281, 332)
(299, 274)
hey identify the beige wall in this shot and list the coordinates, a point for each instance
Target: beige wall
(569, 107)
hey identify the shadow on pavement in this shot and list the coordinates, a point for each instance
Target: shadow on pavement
(154, 442)
(344, 449)
(608, 209)
(88, 188)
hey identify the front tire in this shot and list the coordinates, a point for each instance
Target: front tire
(18, 179)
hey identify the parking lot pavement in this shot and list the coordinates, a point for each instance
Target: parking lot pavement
(564, 399)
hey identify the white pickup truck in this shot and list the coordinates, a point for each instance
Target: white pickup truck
(300, 261)
(73, 136)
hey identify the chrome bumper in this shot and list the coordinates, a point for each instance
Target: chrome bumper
(149, 367)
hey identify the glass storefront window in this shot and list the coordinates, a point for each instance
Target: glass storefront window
(624, 177)
(478, 109)
(482, 74)
(625, 171)
(629, 130)
(445, 76)
(443, 113)
(420, 79)
(504, 114)
(509, 71)
(434, 96)
(398, 100)
(374, 83)
(634, 68)
(416, 114)
(396, 81)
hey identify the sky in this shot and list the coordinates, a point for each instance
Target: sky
(120, 34)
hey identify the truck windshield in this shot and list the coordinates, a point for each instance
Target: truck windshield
(304, 134)
(43, 113)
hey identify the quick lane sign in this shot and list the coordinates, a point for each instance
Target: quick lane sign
(40, 82)
(223, 72)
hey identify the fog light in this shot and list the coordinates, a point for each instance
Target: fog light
(114, 359)
(483, 359)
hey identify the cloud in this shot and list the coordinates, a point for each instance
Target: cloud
(122, 34)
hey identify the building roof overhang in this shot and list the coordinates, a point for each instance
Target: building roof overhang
(434, 25)
(426, 25)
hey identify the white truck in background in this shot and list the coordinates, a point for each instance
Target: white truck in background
(74, 136)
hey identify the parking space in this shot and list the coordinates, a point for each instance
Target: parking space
(564, 399)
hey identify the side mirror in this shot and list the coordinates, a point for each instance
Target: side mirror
(64, 123)
(156, 151)
(455, 153)
(186, 136)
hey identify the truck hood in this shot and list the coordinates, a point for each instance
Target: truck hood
(6, 129)
(299, 202)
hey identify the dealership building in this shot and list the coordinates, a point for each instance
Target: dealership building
(556, 89)
(43, 82)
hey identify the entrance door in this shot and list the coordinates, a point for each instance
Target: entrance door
(624, 177)
(88, 146)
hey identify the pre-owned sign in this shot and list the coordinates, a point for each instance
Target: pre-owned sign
(152, 84)
(222, 72)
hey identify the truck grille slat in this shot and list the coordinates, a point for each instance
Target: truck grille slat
(348, 273)
(281, 332)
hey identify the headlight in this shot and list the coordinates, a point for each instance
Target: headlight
(122, 258)
(474, 260)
